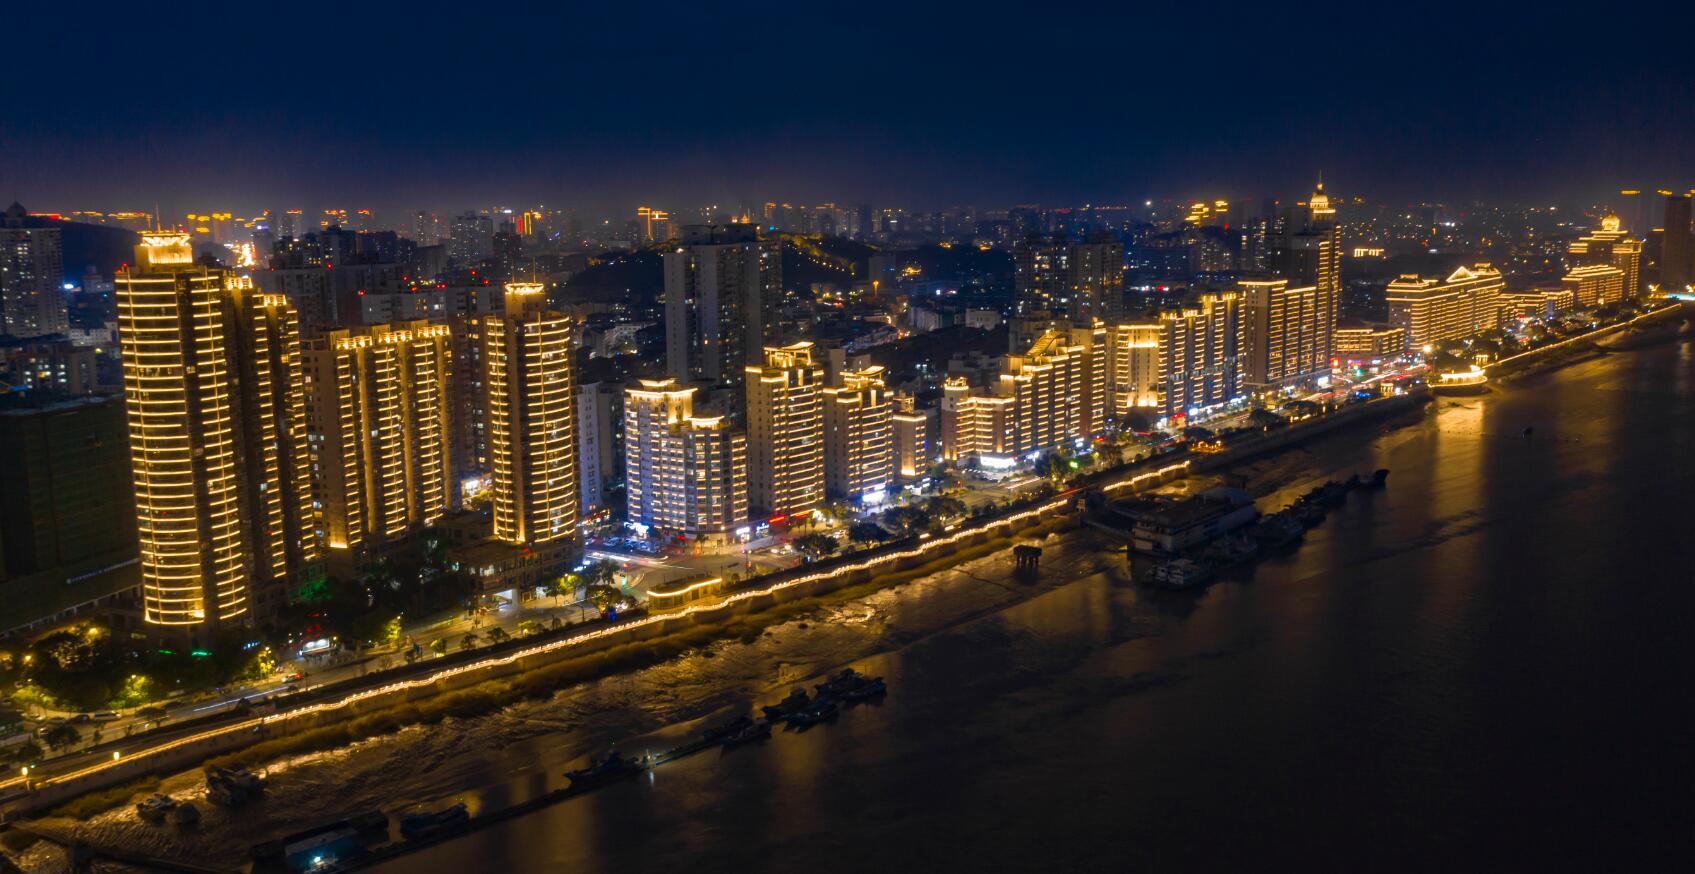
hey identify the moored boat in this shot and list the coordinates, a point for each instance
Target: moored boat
(420, 826)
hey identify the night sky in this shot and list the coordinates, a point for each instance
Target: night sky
(600, 107)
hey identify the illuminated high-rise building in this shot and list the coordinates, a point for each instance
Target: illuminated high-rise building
(858, 435)
(1288, 334)
(378, 404)
(1200, 352)
(1052, 394)
(1431, 310)
(914, 450)
(32, 273)
(683, 473)
(785, 431)
(1309, 253)
(1612, 246)
(217, 438)
(723, 297)
(1133, 360)
(532, 414)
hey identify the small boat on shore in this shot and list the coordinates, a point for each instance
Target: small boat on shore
(823, 709)
(422, 826)
(606, 769)
(155, 808)
(797, 701)
(718, 733)
(752, 733)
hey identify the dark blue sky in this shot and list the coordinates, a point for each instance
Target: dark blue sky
(241, 105)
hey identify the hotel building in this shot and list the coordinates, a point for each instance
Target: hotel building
(1594, 285)
(1431, 310)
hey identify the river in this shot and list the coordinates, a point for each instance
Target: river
(1485, 665)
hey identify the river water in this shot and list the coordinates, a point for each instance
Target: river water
(1485, 665)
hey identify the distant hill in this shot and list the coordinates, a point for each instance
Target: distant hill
(636, 278)
(103, 248)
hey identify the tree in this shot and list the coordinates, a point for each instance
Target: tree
(1265, 419)
(469, 641)
(603, 596)
(438, 646)
(867, 532)
(1054, 466)
(942, 507)
(497, 635)
(563, 586)
(529, 628)
(906, 520)
(815, 545)
(60, 737)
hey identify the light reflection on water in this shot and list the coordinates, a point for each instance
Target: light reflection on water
(1482, 664)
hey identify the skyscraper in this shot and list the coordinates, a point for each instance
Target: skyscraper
(1287, 340)
(858, 435)
(785, 429)
(377, 401)
(1677, 246)
(723, 297)
(1200, 353)
(32, 272)
(1309, 252)
(217, 438)
(531, 419)
(684, 473)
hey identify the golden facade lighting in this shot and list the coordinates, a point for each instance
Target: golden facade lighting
(1054, 393)
(532, 418)
(1431, 310)
(277, 474)
(1134, 373)
(379, 405)
(683, 473)
(858, 435)
(1595, 285)
(785, 422)
(1288, 334)
(1613, 246)
(217, 436)
(1200, 352)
